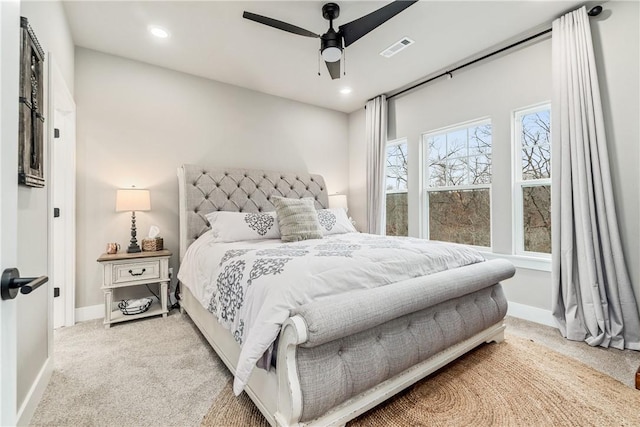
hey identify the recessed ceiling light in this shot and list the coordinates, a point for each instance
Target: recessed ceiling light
(158, 31)
(345, 90)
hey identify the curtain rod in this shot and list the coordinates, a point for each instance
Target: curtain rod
(594, 11)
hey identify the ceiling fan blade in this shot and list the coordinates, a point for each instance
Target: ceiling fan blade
(279, 24)
(334, 69)
(353, 30)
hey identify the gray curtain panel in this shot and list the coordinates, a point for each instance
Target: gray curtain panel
(376, 123)
(593, 298)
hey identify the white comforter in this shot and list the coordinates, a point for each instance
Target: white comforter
(251, 286)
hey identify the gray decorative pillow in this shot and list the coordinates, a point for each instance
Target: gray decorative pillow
(297, 219)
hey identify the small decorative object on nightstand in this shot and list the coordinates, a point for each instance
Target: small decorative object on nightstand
(153, 242)
(134, 269)
(133, 199)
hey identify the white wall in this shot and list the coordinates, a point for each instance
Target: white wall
(358, 169)
(138, 123)
(616, 39)
(50, 27)
(495, 88)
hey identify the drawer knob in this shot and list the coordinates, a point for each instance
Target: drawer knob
(137, 274)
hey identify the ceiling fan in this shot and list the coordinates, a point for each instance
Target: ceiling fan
(333, 42)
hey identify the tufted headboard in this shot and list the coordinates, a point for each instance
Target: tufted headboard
(203, 190)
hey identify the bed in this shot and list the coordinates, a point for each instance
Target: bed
(338, 356)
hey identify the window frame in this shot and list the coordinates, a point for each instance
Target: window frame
(426, 188)
(397, 141)
(519, 183)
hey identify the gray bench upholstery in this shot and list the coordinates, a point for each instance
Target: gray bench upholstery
(338, 316)
(360, 339)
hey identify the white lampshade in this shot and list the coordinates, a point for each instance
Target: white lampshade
(133, 199)
(338, 201)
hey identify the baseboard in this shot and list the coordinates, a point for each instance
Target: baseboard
(532, 314)
(31, 401)
(90, 312)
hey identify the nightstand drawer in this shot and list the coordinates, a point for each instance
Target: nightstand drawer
(136, 271)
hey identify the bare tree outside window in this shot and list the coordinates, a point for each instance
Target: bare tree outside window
(396, 176)
(458, 184)
(534, 128)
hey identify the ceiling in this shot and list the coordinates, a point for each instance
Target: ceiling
(211, 39)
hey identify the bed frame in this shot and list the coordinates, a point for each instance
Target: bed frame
(358, 341)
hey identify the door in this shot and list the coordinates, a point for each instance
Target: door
(9, 13)
(26, 321)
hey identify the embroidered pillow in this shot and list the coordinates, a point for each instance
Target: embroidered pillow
(238, 226)
(297, 219)
(335, 221)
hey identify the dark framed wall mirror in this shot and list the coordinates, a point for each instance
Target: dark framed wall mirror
(31, 133)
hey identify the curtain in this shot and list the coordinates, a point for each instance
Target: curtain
(593, 298)
(376, 123)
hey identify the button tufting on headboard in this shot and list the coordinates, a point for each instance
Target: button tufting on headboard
(237, 190)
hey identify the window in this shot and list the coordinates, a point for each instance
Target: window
(397, 223)
(532, 128)
(457, 184)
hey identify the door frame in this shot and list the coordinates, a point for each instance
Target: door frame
(61, 101)
(9, 83)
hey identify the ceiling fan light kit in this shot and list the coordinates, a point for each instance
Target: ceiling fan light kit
(332, 43)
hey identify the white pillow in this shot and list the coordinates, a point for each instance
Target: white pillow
(238, 226)
(335, 221)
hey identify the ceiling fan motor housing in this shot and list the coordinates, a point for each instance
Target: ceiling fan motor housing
(331, 46)
(330, 11)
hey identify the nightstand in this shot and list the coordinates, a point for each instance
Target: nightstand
(125, 270)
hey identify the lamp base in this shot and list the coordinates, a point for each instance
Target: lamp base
(133, 249)
(133, 243)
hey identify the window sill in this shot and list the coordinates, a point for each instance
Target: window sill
(520, 261)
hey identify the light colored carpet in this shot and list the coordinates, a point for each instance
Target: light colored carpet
(150, 372)
(157, 372)
(619, 364)
(514, 383)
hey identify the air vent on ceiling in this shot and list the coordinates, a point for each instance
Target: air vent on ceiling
(397, 47)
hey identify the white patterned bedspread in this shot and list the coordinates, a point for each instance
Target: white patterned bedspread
(251, 286)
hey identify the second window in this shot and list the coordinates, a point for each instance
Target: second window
(457, 183)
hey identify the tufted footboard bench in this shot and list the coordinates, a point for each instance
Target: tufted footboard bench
(346, 347)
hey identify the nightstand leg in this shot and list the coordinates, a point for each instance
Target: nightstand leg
(108, 300)
(163, 297)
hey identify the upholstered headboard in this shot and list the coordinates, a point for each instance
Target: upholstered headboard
(203, 190)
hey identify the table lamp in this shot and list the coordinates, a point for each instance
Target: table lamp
(338, 201)
(133, 199)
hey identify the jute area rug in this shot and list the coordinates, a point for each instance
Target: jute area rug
(515, 383)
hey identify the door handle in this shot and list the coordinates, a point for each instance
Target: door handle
(11, 283)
